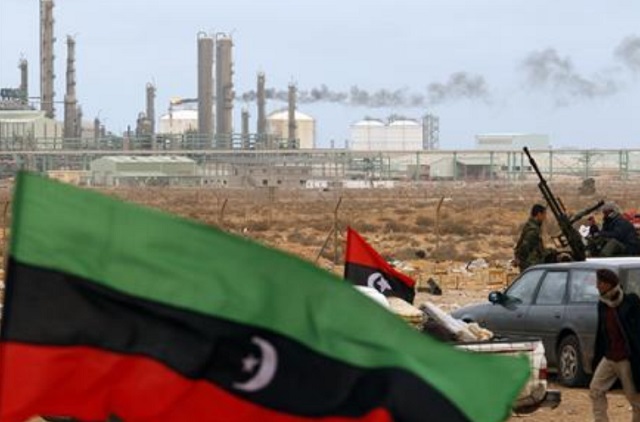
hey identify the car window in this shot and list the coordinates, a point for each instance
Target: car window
(524, 288)
(553, 288)
(583, 286)
(633, 281)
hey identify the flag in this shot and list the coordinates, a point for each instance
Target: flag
(112, 308)
(365, 267)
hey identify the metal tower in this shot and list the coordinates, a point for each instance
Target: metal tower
(292, 138)
(47, 74)
(151, 106)
(261, 128)
(224, 90)
(24, 81)
(205, 86)
(70, 100)
(430, 132)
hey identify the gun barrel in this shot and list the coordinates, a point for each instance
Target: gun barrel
(580, 214)
(534, 164)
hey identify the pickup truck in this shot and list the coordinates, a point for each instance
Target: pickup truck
(534, 395)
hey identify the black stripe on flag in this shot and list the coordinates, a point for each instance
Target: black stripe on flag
(386, 284)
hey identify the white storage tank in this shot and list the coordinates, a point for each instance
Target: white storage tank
(374, 135)
(404, 135)
(368, 135)
(178, 122)
(278, 126)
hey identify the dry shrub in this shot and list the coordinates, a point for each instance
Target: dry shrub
(424, 221)
(395, 227)
(258, 226)
(321, 225)
(455, 227)
(446, 251)
(302, 239)
(403, 211)
(364, 227)
(405, 254)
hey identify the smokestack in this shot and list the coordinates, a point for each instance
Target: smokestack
(79, 124)
(224, 91)
(24, 80)
(70, 101)
(245, 128)
(47, 74)
(205, 87)
(151, 106)
(292, 116)
(261, 129)
(96, 131)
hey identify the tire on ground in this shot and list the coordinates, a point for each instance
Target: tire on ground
(570, 367)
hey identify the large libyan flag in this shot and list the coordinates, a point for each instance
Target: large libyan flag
(115, 309)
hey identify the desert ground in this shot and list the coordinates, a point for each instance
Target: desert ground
(476, 221)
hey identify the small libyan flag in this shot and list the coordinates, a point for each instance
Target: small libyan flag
(114, 309)
(365, 267)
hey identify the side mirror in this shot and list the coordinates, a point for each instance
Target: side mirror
(496, 298)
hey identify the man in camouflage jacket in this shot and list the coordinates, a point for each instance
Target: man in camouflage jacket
(530, 249)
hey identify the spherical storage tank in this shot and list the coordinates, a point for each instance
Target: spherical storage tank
(278, 126)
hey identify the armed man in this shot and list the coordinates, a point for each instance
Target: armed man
(618, 237)
(530, 248)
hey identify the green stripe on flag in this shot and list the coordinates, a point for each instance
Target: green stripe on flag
(173, 261)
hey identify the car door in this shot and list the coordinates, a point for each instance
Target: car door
(545, 316)
(506, 318)
(581, 314)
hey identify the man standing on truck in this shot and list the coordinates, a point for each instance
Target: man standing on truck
(617, 353)
(618, 236)
(530, 249)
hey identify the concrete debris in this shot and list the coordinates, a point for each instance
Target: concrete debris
(477, 264)
(401, 266)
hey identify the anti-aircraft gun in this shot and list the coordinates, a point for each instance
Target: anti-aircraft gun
(569, 240)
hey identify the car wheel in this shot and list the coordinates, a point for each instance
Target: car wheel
(570, 370)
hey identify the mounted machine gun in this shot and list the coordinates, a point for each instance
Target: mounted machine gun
(569, 241)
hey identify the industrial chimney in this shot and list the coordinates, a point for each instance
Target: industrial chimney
(261, 128)
(292, 116)
(224, 91)
(47, 74)
(79, 117)
(70, 101)
(96, 132)
(151, 106)
(24, 81)
(205, 87)
(245, 129)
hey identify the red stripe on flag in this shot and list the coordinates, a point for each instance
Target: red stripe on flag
(89, 384)
(360, 252)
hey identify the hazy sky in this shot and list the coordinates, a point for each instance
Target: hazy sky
(568, 68)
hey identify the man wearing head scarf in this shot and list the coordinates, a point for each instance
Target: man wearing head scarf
(617, 353)
(618, 236)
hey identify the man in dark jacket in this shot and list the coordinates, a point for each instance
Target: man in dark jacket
(530, 249)
(617, 353)
(618, 236)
